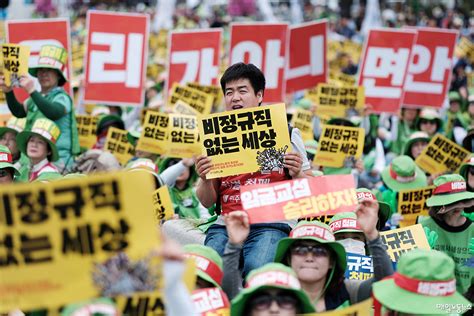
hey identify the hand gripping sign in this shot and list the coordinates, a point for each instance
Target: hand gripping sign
(429, 73)
(306, 65)
(194, 56)
(263, 45)
(116, 56)
(384, 67)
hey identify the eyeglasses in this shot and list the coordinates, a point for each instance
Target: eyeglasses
(264, 300)
(317, 251)
(425, 121)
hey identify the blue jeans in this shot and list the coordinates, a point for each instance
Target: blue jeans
(259, 248)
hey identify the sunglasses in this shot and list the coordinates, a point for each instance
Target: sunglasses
(263, 301)
(317, 251)
(425, 121)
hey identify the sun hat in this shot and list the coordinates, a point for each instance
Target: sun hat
(47, 130)
(144, 165)
(424, 281)
(14, 125)
(385, 212)
(106, 120)
(454, 96)
(271, 276)
(449, 188)
(465, 166)
(52, 57)
(345, 222)
(6, 160)
(208, 263)
(415, 137)
(94, 307)
(429, 114)
(403, 174)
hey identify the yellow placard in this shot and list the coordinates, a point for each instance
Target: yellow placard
(154, 134)
(117, 143)
(340, 79)
(470, 80)
(441, 155)
(303, 120)
(213, 90)
(245, 140)
(401, 240)
(363, 308)
(184, 108)
(141, 304)
(15, 63)
(198, 100)
(336, 101)
(465, 48)
(339, 143)
(162, 204)
(412, 203)
(55, 236)
(86, 127)
(183, 139)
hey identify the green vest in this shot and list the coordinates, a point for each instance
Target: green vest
(185, 202)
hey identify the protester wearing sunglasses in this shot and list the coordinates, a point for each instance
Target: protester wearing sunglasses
(429, 122)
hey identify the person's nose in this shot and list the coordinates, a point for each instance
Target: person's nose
(274, 308)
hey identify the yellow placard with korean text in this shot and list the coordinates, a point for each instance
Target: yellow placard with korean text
(412, 203)
(245, 140)
(154, 134)
(184, 108)
(441, 155)
(340, 79)
(15, 63)
(338, 143)
(401, 240)
(336, 101)
(198, 100)
(213, 90)
(303, 120)
(465, 48)
(86, 128)
(183, 139)
(162, 204)
(363, 308)
(57, 237)
(117, 143)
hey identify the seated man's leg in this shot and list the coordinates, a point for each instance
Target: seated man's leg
(183, 231)
(260, 246)
(216, 238)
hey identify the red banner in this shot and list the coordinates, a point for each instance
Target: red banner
(194, 56)
(307, 64)
(384, 67)
(299, 198)
(265, 46)
(116, 57)
(210, 301)
(429, 72)
(36, 33)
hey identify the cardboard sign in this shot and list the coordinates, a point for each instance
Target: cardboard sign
(116, 57)
(336, 101)
(412, 203)
(184, 108)
(141, 304)
(35, 34)
(162, 204)
(299, 198)
(117, 143)
(339, 143)
(401, 240)
(14, 63)
(441, 155)
(87, 127)
(465, 49)
(245, 140)
(340, 79)
(210, 302)
(194, 56)
(384, 67)
(155, 133)
(213, 90)
(53, 235)
(198, 100)
(306, 66)
(303, 120)
(429, 73)
(359, 267)
(265, 46)
(363, 308)
(183, 139)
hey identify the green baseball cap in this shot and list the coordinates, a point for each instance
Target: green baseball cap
(45, 129)
(14, 125)
(52, 57)
(208, 263)
(6, 160)
(385, 212)
(449, 188)
(415, 137)
(345, 222)
(403, 174)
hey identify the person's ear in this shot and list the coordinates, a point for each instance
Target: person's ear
(259, 95)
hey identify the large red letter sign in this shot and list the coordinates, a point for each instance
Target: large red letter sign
(36, 33)
(116, 57)
(306, 65)
(194, 56)
(384, 67)
(429, 73)
(263, 45)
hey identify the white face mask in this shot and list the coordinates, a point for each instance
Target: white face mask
(353, 246)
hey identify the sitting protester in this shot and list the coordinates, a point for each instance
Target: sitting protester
(8, 171)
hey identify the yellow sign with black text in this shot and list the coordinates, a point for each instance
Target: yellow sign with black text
(412, 203)
(154, 134)
(87, 127)
(117, 143)
(336, 101)
(162, 204)
(183, 139)
(401, 240)
(15, 63)
(197, 99)
(303, 120)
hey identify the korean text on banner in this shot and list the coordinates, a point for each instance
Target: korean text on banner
(412, 203)
(303, 120)
(359, 267)
(299, 198)
(117, 143)
(245, 140)
(337, 144)
(337, 101)
(363, 308)
(15, 63)
(210, 302)
(116, 57)
(162, 204)
(265, 46)
(141, 304)
(198, 100)
(441, 155)
(154, 134)
(401, 240)
(384, 67)
(341, 80)
(213, 90)
(53, 236)
(183, 139)
(184, 108)
(86, 127)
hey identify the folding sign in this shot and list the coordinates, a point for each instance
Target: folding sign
(116, 57)
(194, 56)
(264, 45)
(384, 67)
(429, 73)
(36, 33)
(306, 66)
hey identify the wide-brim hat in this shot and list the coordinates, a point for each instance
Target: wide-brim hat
(429, 114)
(107, 120)
(209, 266)
(384, 208)
(415, 137)
(345, 222)
(403, 174)
(52, 57)
(449, 188)
(6, 160)
(465, 166)
(14, 125)
(45, 129)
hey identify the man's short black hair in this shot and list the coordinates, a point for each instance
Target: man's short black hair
(244, 71)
